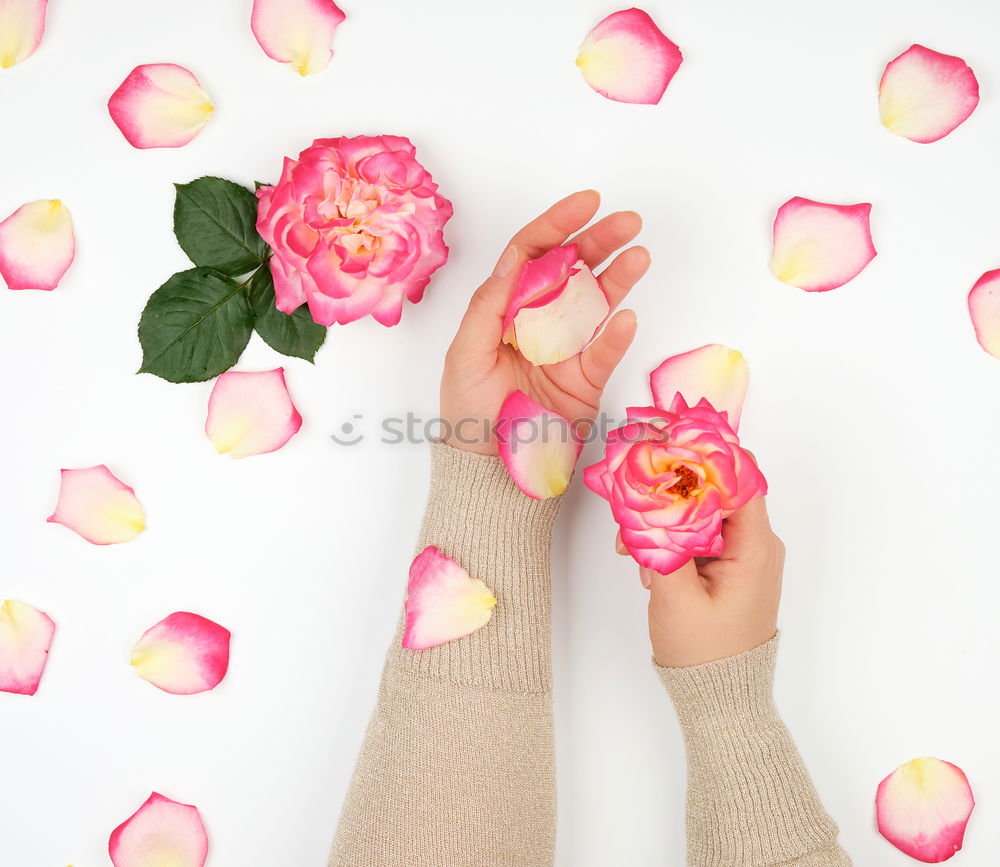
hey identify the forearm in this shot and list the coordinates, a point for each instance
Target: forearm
(457, 767)
(750, 800)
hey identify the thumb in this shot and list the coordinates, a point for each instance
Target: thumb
(482, 325)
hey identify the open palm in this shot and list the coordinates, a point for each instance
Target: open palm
(481, 371)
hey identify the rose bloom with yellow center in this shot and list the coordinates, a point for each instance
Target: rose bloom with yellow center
(671, 476)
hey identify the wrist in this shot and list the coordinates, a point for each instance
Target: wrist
(729, 691)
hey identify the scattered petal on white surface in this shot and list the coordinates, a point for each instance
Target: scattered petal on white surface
(183, 654)
(37, 245)
(297, 32)
(161, 833)
(160, 105)
(984, 309)
(22, 25)
(25, 636)
(818, 246)
(717, 373)
(98, 506)
(251, 413)
(924, 95)
(922, 808)
(627, 58)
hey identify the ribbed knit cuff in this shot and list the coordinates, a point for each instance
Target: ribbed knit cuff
(476, 515)
(736, 688)
(750, 800)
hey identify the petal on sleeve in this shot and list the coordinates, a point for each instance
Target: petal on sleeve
(443, 602)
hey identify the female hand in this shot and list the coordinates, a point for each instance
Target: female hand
(481, 371)
(712, 608)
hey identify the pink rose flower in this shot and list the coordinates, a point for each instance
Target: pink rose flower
(671, 476)
(355, 225)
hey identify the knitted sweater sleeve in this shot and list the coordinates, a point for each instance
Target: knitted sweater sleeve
(457, 766)
(750, 801)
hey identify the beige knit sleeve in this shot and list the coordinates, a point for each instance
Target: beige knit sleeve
(457, 766)
(750, 802)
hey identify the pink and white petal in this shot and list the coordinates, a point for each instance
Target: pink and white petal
(183, 654)
(564, 326)
(22, 24)
(37, 245)
(443, 602)
(160, 105)
(251, 413)
(922, 808)
(25, 636)
(540, 280)
(714, 372)
(627, 58)
(984, 308)
(98, 506)
(924, 95)
(161, 832)
(818, 246)
(297, 32)
(537, 445)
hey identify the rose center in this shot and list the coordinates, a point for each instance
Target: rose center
(687, 481)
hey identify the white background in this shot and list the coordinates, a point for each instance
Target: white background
(872, 409)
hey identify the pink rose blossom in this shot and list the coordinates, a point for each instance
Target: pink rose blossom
(671, 476)
(355, 225)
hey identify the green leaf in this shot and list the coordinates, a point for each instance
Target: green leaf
(215, 222)
(194, 326)
(296, 334)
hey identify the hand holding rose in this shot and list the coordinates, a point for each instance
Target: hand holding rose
(712, 608)
(481, 370)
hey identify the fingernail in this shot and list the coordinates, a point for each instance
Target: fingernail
(505, 264)
(645, 579)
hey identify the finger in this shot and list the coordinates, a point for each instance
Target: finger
(599, 241)
(600, 359)
(623, 273)
(552, 228)
(482, 325)
(745, 529)
(620, 545)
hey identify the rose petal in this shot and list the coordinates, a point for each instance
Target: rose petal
(161, 832)
(442, 602)
(922, 808)
(22, 23)
(37, 245)
(537, 445)
(924, 95)
(557, 308)
(98, 506)
(716, 373)
(984, 308)
(183, 654)
(25, 636)
(818, 247)
(628, 59)
(160, 105)
(297, 32)
(251, 413)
